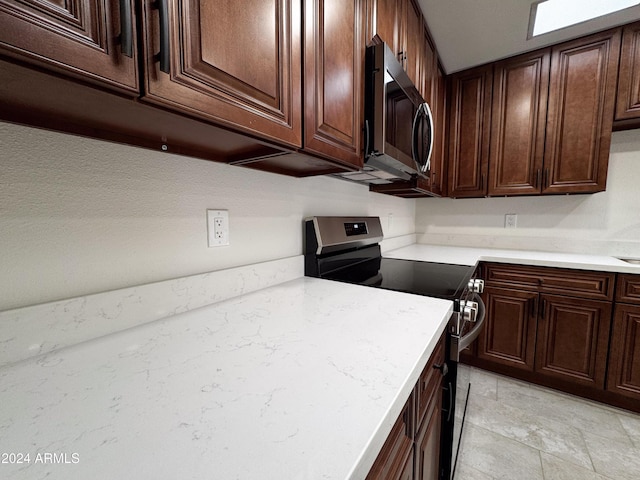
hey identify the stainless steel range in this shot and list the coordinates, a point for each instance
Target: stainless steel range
(346, 249)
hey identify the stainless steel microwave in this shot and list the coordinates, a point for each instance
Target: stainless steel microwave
(398, 122)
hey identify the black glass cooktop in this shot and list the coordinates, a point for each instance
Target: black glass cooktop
(441, 280)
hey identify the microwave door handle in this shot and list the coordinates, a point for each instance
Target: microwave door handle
(414, 137)
(430, 130)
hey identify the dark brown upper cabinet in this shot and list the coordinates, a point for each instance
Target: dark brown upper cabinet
(333, 78)
(438, 177)
(550, 121)
(413, 41)
(582, 92)
(469, 132)
(518, 121)
(628, 104)
(235, 63)
(399, 24)
(93, 40)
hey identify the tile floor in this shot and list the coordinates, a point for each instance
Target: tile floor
(519, 431)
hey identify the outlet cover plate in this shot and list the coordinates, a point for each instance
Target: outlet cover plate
(510, 220)
(217, 228)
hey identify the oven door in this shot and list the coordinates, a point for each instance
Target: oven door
(464, 328)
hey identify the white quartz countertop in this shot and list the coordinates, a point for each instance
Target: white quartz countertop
(471, 256)
(302, 380)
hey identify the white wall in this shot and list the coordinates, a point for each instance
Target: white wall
(605, 223)
(80, 216)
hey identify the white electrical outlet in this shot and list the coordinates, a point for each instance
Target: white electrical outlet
(218, 227)
(510, 220)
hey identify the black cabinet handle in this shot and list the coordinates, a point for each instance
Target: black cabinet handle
(126, 28)
(543, 309)
(444, 368)
(538, 173)
(163, 11)
(546, 178)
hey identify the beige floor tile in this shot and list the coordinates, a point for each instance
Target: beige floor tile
(466, 472)
(631, 424)
(559, 407)
(613, 459)
(484, 383)
(556, 469)
(556, 438)
(498, 456)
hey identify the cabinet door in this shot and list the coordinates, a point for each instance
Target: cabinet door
(438, 176)
(624, 359)
(385, 20)
(509, 335)
(573, 336)
(334, 62)
(235, 63)
(428, 442)
(518, 121)
(580, 114)
(469, 127)
(80, 38)
(413, 41)
(428, 69)
(391, 463)
(628, 105)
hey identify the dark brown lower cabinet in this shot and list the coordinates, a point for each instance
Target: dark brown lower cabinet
(427, 465)
(624, 357)
(412, 449)
(509, 334)
(396, 456)
(572, 340)
(558, 327)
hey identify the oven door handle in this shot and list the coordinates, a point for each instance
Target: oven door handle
(466, 340)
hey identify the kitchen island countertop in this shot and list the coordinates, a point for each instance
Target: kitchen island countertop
(302, 380)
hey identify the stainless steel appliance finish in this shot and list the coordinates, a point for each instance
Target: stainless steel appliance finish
(346, 249)
(399, 126)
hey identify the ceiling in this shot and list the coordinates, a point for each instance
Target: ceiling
(472, 32)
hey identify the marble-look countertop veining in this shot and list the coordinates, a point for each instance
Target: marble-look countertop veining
(471, 256)
(301, 380)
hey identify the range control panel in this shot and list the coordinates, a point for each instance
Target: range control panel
(355, 228)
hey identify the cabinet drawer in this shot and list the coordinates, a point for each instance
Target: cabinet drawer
(569, 282)
(429, 382)
(504, 274)
(628, 289)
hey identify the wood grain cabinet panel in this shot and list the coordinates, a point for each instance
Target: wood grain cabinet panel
(469, 132)
(384, 19)
(397, 451)
(235, 63)
(414, 45)
(78, 38)
(628, 288)
(427, 448)
(580, 113)
(509, 334)
(573, 337)
(518, 121)
(334, 64)
(438, 174)
(628, 103)
(624, 359)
